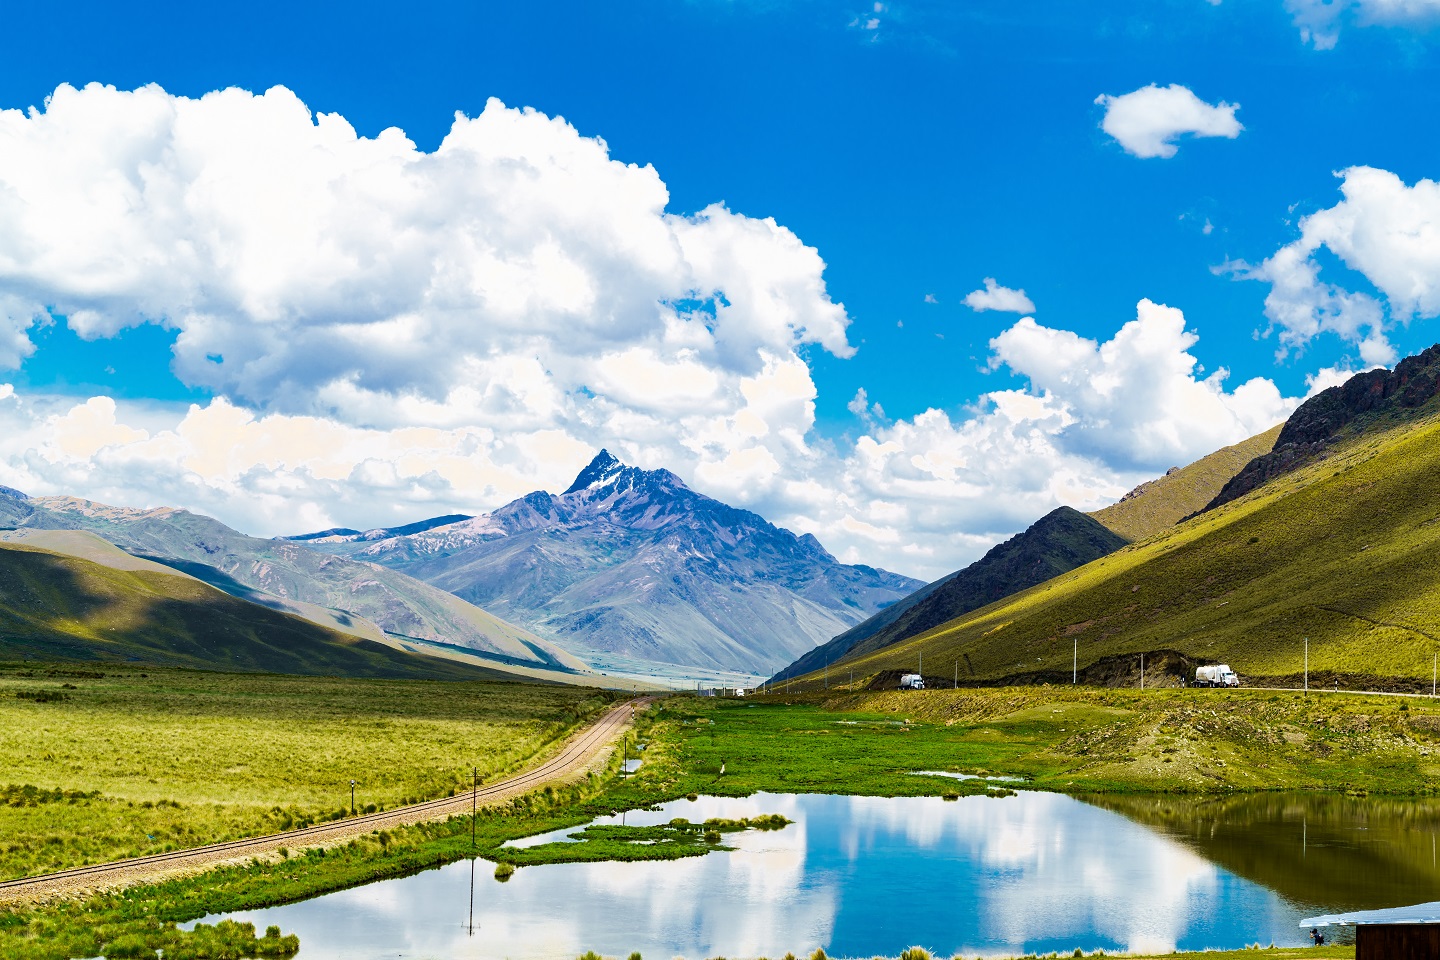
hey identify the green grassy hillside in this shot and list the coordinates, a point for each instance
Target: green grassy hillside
(1164, 502)
(1059, 541)
(1344, 551)
(54, 606)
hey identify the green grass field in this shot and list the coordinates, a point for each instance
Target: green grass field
(143, 760)
(1072, 740)
(1345, 552)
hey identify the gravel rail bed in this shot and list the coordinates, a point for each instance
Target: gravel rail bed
(585, 750)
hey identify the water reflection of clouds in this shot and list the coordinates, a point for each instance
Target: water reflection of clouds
(857, 875)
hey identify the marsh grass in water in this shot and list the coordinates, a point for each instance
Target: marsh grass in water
(668, 841)
(223, 941)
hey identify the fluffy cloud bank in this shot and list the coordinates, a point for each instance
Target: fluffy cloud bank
(1387, 232)
(1148, 121)
(922, 495)
(310, 269)
(393, 334)
(1320, 20)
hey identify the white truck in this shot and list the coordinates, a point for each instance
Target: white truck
(1216, 675)
(912, 681)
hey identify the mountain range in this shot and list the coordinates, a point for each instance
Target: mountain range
(1057, 543)
(1324, 543)
(357, 598)
(69, 595)
(634, 564)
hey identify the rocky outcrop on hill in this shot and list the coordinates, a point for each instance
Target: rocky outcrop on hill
(1315, 427)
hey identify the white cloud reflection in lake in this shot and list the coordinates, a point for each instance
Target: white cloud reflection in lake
(857, 875)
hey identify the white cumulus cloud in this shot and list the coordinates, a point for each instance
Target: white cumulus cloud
(1148, 121)
(1384, 230)
(992, 296)
(308, 268)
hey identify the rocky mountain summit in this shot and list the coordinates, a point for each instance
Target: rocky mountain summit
(634, 563)
(1319, 423)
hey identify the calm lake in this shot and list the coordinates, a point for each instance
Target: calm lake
(862, 876)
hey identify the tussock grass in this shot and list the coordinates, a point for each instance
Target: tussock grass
(1081, 740)
(143, 761)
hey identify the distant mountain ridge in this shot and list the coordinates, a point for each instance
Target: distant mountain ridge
(93, 602)
(293, 578)
(1058, 542)
(633, 562)
(1326, 569)
(1163, 502)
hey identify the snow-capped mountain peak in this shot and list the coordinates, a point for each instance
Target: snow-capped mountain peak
(604, 469)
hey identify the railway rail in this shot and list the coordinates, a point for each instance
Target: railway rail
(577, 754)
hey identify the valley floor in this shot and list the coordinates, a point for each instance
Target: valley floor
(102, 761)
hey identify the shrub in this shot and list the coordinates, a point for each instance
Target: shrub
(504, 871)
(42, 696)
(915, 953)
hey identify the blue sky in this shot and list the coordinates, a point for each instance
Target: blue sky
(918, 148)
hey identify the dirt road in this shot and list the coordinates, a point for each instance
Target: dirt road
(584, 750)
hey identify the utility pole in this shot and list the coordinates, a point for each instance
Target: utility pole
(956, 684)
(352, 798)
(1142, 671)
(827, 674)
(922, 664)
(1307, 664)
(474, 796)
(1075, 662)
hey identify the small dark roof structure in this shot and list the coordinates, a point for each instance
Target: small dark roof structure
(1420, 913)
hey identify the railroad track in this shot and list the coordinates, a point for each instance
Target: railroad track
(577, 753)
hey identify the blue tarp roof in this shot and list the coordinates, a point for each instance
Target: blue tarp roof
(1420, 913)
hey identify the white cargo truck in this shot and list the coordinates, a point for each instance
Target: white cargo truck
(1216, 675)
(912, 681)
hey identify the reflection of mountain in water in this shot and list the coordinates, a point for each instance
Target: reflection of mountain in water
(1357, 854)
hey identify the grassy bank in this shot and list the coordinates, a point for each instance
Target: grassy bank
(1073, 740)
(101, 763)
